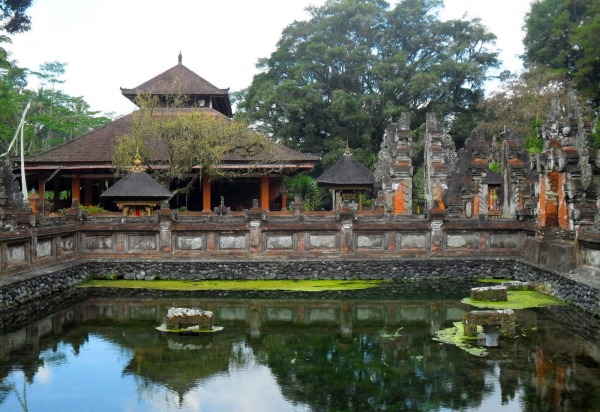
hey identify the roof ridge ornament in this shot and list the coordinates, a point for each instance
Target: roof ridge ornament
(138, 162)
(347, 151)
(179, 59)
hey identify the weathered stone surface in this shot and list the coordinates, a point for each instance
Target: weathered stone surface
(440, 161)
(394, 171)
(180, 318)
(490, 293)
(516, 285)
(504, 318)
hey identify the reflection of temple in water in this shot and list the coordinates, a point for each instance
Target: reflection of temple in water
(548, 367)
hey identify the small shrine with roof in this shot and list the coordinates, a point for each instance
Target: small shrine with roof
(345, 178)
(83, 170)
(137, 194)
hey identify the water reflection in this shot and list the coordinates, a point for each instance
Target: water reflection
(296, 355)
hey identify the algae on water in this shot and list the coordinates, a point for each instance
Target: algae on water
(283, 285)
(456, 336)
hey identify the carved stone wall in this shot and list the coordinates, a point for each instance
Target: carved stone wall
(11, 199)
(394, 170)
(568, 195)
(440, 161)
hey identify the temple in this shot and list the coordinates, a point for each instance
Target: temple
(82, 169)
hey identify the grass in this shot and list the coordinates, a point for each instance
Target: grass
(518, 299)
(190, 285)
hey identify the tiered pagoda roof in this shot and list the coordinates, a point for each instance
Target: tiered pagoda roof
(94, 150)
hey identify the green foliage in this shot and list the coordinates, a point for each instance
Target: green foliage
(54, 116)
(522, 101)
(305, 188)
(195, 139)
(12, 16)
(594, 135)
(562, 35)
(495, 167)
(355, 65)
(92, 209)
(418, 188)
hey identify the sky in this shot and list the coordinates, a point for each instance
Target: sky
(108, 44)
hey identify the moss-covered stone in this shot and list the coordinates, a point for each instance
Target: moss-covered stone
(489, 293)
(517, 300)
(506, 319)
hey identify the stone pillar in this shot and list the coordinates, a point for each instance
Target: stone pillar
(394, 171)
(75, 186)
(563, 207)
(264, 192)
(165, 235)
(206, 188)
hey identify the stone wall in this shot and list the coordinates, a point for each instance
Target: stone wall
(430, 270)
(41, 285)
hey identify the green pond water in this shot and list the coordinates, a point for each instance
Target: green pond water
(293, 352)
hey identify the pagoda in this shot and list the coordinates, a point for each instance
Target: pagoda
(86, 169)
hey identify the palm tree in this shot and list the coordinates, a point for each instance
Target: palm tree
(304, 188)
(4, 63)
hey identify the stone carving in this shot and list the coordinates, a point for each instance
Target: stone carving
(567, 194)
(518, 178)
(440, 161)
(222, 210)
(11, 198)
(394, 171)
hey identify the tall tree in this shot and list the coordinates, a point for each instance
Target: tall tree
(348, 71)
(562, 35)
(54, 117)
(12, 15)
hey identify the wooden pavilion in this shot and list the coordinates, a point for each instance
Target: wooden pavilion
(82, 168)
(346, 177)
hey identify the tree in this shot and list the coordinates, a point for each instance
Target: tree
(522, 102)
(306, 189)
(54, 118)
(180, 140)
(562, 36)
(12, 15)
(4, 63)
(342, 76)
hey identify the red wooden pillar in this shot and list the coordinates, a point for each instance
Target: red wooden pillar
(264, 192)
(206, 188)
(75, 186)
(41, 187)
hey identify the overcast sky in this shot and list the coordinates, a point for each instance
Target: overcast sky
(109, 44)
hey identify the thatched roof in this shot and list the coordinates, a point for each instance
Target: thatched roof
(137, 185)
(347, 172)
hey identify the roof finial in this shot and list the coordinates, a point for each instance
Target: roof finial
(138, 162)
(347, 152)
(179, 58)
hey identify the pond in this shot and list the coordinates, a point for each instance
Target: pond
(339, 351)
